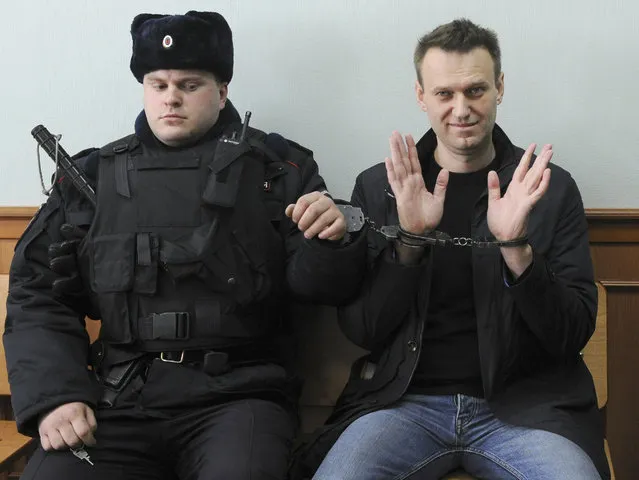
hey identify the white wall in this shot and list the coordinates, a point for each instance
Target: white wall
(336, 76)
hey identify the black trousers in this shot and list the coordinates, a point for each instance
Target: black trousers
(242, 439)
(175, 422)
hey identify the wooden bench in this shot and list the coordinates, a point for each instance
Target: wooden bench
(12, 444)
(326, 357)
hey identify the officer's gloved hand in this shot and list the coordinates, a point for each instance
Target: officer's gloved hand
(69, 287)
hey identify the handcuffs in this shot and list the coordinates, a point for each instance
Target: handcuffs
(355, 221)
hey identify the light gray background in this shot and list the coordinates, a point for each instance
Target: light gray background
(336, 76)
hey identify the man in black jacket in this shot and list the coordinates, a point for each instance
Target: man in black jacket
(474, 345)
(202, 228)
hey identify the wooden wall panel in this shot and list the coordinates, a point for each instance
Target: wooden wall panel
(614, 238)
(6, 253)
(622, 415)
(13, 221)
(616, 262)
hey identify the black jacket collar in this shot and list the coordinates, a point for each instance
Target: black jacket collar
(227, 116)
(508, 153)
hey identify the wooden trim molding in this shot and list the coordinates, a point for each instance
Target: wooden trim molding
(594, 215)
(13, 221)
(612, 214)
(620, 283)
(613, 225)
(605, 226)
(17, 212)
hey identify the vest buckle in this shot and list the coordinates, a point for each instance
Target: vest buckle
(165, 326)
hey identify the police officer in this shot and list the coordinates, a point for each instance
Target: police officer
(203, 227)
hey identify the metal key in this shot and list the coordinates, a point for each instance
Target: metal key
(82, 454)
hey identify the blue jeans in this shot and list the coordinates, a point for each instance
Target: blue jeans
(425, 437)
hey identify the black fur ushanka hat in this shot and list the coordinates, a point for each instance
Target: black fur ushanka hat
(194, 41)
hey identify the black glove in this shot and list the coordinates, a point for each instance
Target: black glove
(70, 288)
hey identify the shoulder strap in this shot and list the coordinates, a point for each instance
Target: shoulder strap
(120, 150)
(122, 145)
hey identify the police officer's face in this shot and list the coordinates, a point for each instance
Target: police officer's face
(460, 93)
(182, 105)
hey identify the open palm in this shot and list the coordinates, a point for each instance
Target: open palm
(508, 215)
(417, 208)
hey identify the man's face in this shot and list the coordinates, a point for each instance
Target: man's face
(182, 105)
(460, 96)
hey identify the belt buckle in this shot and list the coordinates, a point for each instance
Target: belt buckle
(168, 360)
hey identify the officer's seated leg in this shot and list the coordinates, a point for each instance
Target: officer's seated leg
(239, 440)
(125, 449)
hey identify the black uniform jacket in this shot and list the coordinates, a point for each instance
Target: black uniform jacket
(530, 333)
(47, 346)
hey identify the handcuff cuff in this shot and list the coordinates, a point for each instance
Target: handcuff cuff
(356, 220)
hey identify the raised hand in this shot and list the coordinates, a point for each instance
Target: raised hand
(418, 209)
(508, 215)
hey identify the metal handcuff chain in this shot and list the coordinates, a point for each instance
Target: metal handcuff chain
(355, 221)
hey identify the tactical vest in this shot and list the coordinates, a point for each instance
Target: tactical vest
(184, 249)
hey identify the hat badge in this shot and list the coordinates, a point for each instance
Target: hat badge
(167, 41)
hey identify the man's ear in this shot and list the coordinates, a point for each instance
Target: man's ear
(224, 94)
(500, 88)
(419, 93)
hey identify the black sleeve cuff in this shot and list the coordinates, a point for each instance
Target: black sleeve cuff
(28, 419)
(535, 278)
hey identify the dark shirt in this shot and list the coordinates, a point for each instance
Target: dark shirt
(449, 361)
